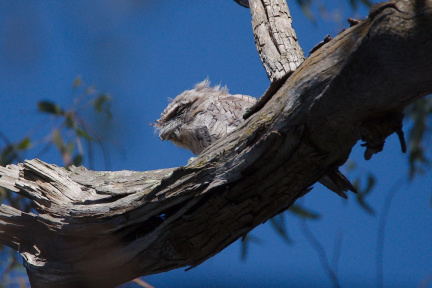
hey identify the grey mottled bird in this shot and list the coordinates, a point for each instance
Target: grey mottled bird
(198, 117)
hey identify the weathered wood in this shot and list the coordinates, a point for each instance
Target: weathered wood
(276, 43)
(275, 38)
(100, 229)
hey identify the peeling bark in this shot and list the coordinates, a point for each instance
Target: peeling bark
(101, 229)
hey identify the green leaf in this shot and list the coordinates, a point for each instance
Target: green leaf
(69, 120)
(278, 224)
(50, 107)
(77, 160)
(362, 193)
(24, 144)
(70, 146)
(8, 155)
(101, 104)
(58, 140)
(367, 3)
(365, 206)
(370, 184)
(77, 82)
(83, 133)
(100, 101)
(303, 212)
(419, 113)
(245, 245)
(351, 165)
(90, 90)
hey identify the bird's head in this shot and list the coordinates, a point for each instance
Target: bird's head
(174, 116)
(181, 122)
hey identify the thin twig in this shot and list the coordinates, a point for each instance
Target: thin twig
(321, 253)
(6, 140)
(99, 142)
(379, 254)
(337, 251)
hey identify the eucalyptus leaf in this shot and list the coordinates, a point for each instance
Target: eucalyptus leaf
(303, 212)
(50, 108)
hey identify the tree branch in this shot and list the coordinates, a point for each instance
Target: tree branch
(276, 43)
(101, 229)
(275, 38)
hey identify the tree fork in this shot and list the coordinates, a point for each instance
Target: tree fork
(101, 229)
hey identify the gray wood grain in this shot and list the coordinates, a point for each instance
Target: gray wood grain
(275, 38)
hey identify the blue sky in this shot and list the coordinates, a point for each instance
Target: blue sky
(144, 52)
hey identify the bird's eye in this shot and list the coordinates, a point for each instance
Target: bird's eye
(180, 110)
(175, 113)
